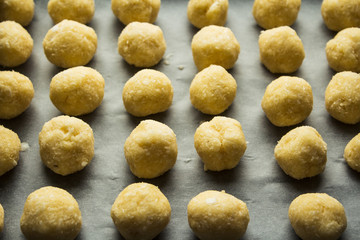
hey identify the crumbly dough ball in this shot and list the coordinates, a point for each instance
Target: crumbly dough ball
(213, 90)
(281, 50)
(20, 11)
(352, 153)
(1, 218)
(214, 215)
(342, 97)
(66, 144)
(77, 91)
(70, 44)
(78, 10)
(343, 51)
(151, 149)
(141, 211)
(203, 13)
(10, 146)
(317, 216)
(215, 45)
(51, 213)
(16, 44)
(287, 101)
(142, 44)
(128, 11)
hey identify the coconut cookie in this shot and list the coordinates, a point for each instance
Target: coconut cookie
(20, 11)
(1, 218)
(352, 153)
(203, 13)
(81, 11)
(10, 146)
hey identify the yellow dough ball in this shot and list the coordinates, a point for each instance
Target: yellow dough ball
(214, 215)
(215, 45)
(70, 44)
(10, 146)
(16, 44)
(352, 153)
(203, 13)
(142, 44)
(281, 50)
(20, 11)
(66, 144)
(151, 149)
(1, 218)
(212, 90)
(287, 101)
(51, 213)
(317, 216)
(77, 91)
(147, 92)
(128, 11)
(78, 10)
(140, 212)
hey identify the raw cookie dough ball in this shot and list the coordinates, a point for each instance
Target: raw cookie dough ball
(151, 149)
(317, 216)
(281, 50)
(1, 218)
(213, 90)
(216, 215)
(215, 45)
(342, 97)
(78, 10)
(20, 11)
(220, 143)
(203, 13)
(51, 213)
(287, 101)
(141, 211)
(301, 153)
(16, 44)
(66, 144)
(70, 44)
(142, 44)
(352, 153)
(10, 146)
(77, 91)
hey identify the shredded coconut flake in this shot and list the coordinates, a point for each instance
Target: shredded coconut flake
(24, 146)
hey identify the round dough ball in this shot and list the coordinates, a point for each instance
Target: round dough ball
(212, 90)
(70, 44)
(1, 218)
(220, 143)
(317, 216)
(215, 45)
(20, 11)
(287, 101)
(128, 11)
(281, 50)
(51, 213)
(352, 153)
(203, 13)
(10, 146)
(77, 91)
(142, 44)
(342, 97)
(141, 211)
(151, 149)
(16, 44)
(78, 10)
(66, 144)
(216, 215)
(275, 13)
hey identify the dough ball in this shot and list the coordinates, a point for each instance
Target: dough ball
(275, 13)
(301, 153)
(66, 144)
(77, 91)
(141, 211)
(281, 50)
(287, 101)
(16, 44)
(214, 215)
(213, 90)
(10, 146)
(317, 216)
(342, 97)
(352, 153)
(51, 213)
(343, 51)
(20, 11)
(203, 13)
(78, 10)
(16, 93)
(147, 92)
(142, 44)
(215, 45)
(220, 143)
(1, 218)
(128, 11)
(70, 44)
(151, 149)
